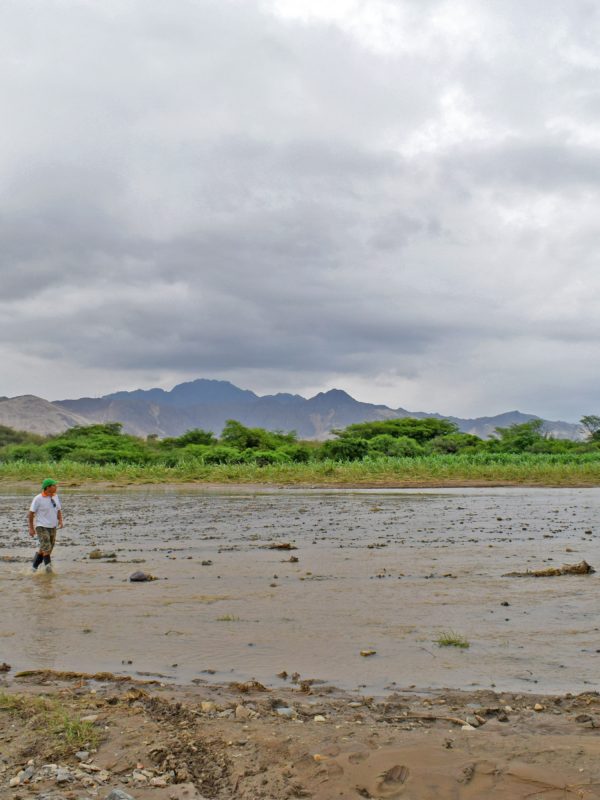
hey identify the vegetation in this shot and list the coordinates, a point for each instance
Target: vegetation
(61, 732)
(452, 639)
(404, 451)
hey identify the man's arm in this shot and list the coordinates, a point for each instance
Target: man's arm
(30, 517)
(60, 519)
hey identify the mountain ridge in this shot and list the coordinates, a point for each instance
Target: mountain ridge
(209, 403)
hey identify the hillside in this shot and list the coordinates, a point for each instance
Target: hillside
(30, 413)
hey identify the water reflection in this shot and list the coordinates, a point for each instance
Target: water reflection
(41, 633)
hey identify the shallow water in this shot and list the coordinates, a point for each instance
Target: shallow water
(382, 570)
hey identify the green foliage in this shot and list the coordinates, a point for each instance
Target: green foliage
(591, 423)
(344, 449)
(575, 468)
(452, 639)
(222, 455)
(10, 436)
(298, 453)
(455, 443)
(23, 452)
(388, 445)
(50, 722)
(528, 437)
(194, 436)
(98, 444)
(234, 434)
(421, 430)
(264, 457)
(519, 438)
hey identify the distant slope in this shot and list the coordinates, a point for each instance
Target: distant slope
(209, 404)
(30, 413)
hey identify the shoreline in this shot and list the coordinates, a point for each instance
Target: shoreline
(237, 486)
(219, 741)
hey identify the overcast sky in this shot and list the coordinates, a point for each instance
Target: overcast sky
(400, 198)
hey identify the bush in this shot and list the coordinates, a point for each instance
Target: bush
(193, 451)
(398, 446)
(263, 457)
(23, 452)
(222, 455)
(422, 430)
(235, 434)
(344, 449)
(298, 453)
(196, 436)
(455, 443)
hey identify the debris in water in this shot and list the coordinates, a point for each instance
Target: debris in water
(583, 568)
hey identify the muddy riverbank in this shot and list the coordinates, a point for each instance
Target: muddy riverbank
(247, 741)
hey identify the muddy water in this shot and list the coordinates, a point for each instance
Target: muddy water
(387, 571)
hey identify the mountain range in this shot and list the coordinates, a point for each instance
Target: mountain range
(208, 404)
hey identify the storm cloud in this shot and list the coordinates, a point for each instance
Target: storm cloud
(395, 198)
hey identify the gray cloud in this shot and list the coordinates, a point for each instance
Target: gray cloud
(397, 199)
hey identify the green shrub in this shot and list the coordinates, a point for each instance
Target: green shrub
(23, 452)
(263, 457)
(344, 449)
(388, 445)
(221, 455)
(455, 443)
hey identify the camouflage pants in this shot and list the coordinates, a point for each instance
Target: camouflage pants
(47, 538)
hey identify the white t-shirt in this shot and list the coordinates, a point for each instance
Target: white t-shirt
(46, 514)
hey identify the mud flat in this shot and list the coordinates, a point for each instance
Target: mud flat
(286, 589)
(245, 741)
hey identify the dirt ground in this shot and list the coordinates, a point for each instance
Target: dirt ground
(247, 741)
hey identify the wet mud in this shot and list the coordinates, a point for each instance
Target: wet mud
(255, 585)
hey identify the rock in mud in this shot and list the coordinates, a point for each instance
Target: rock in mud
(63, 775)
(97, 553)
(141, 577)
(118, 794)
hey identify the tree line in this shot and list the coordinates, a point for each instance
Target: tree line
(406, 437)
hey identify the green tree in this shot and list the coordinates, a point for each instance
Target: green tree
(344, 449)
(519, 438)
(11, 436)
(397, 446)
(455, 443)
(591, 424)
(221, 454)
(98, 444)
(235, 434)
(194, 436)
(421, 430)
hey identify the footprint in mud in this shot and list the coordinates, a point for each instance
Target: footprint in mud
(391, 782)
(356, 758)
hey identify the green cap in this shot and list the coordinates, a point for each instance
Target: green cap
(48, 482)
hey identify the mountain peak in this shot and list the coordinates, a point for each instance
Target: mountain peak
(337, 395)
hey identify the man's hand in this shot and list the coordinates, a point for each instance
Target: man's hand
(32, 533)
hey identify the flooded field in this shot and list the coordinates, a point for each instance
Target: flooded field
(386, 571)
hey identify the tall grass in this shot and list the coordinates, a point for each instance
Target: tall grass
(436, 470)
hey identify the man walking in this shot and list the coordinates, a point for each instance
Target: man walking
(46, 510)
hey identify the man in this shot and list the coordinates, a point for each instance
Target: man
(46, 510)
